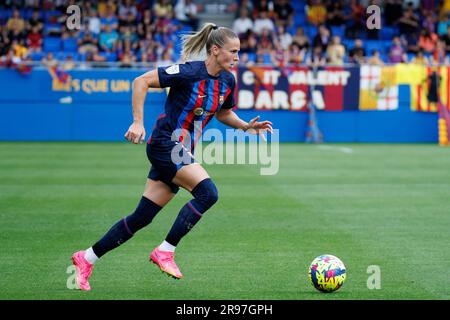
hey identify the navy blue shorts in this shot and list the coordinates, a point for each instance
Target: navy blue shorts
(166, 161)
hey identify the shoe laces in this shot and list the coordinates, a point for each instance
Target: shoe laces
(167, 257)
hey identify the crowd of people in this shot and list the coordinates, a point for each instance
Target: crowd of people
(126, 33)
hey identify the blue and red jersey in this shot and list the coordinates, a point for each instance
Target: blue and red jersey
(194, 97)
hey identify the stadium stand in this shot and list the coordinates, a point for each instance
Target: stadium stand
(145, 30)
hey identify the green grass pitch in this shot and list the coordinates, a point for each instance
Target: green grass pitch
(383, 205)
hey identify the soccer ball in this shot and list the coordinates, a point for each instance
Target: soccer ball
(327, 273)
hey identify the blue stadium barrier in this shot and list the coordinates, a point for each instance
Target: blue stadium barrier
(96, 106)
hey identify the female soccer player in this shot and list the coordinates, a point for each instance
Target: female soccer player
(198, 90)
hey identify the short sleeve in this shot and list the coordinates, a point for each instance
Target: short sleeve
(174, 75)
(230, 102)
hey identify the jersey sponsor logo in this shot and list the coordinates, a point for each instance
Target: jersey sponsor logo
(174, 69)
(198, 111)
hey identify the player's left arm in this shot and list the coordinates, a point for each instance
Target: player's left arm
(230, 118)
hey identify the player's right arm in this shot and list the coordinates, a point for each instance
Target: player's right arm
(140, 85)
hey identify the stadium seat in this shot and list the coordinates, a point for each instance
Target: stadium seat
(338, 31)
(267, 58)
(52, 44)
(300, 19)
(388, 32)
(50, 28)
(36, 56)
(371, 45)
(310, 31)
(51, 16)
(298, 5)
(348, 44)
(252, 56)
(70, 45)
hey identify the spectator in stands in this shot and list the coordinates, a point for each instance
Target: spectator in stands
(427, 41)
(397, 53)
(429, 21)
(439, 55)
(446, 39)
(110, 19)
(126, 56)
(35, 20)
(129, 23)
(442, 26)
(357, 54)
(94, 59)
(126, 8)
(316, 13)
(9, 60)
(393, 10)
(16, 23)
(108, 39)
(104, 6)
(49, 60)
(19, 49)
(265, 43)
(186, 12)
(335, 14)
(283, 37)
(356, 21)
(145, 25)
(162, 8)
(322, 38)
(295, 55)
(375, 59)
(68, 63)
(34, 40)
(420, 58)
(249, 43)
(409, 22)
(94, 23)
(279, 56)
(87, 44)
(284, 13)
(336, 52)
(316, 59)
(166, 59)
(4, 41)
(248, 5)
(263, 22)
(301, 39)
(244, 60)
(242, 24)
(263, 6)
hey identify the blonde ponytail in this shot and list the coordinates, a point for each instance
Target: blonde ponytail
(208, 36)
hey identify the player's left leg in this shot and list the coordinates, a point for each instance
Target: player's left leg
(196, 180)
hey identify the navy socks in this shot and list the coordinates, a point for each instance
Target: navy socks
(205, 196)
(127, 227)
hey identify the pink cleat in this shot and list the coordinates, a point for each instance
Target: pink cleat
(164, 260)
(84, 270)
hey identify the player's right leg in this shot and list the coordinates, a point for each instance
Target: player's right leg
(156, 195)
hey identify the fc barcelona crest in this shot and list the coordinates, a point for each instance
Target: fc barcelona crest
(221, 100)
